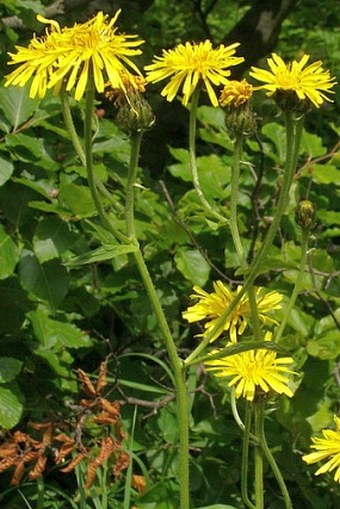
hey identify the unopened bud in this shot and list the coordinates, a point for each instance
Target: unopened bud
(136, 116)
(305, 214)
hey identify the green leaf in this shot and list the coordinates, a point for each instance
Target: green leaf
(323, 174)
(6, 170)
(14, 304)
(193, 266)
(8, 254)
(16, 104)
(78, 199)
(100, 254)
(311, 144)
(48, 281)
(52, 238)
(55, 335)
(9, 369)
(326, 346)
(11, 404)
(277, 134)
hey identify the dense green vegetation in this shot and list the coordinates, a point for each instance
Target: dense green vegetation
(70, 299)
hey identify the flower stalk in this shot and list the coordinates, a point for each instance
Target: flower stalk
(293, 136)
(193, 161)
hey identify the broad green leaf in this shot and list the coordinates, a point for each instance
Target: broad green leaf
(25, 147)
(54, 334)
(6, 170)
(11, 405)
(14, 304)
(167, 422)
(8, 254)
(323, 174)
(78, 199)
(100, 254)
(16, 104)
(277, 134)
(326, 346)
(52, 238)
(9, 369)
(311, 144)
(213, 173)
(323, 417)
(193, 266)
(48, 281)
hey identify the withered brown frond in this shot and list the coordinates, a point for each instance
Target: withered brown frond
(86, 383)
(102, 377)
(139, 483)
(72, 465)
(121, 463)
(18, 473)
(38, 469)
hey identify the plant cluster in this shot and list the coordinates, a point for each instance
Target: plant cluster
(93, 238)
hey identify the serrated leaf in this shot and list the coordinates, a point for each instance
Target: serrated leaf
(9, 369)
(16, 104)
(101, 254)
(55, 335)
(11, 405)
(8, 254)
(193, 266)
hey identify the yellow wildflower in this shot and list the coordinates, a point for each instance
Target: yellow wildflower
(236, 93)
(253, 371)
(211, 306)
(92, 49)
(189, 64)
(311, 82)
(327, 448)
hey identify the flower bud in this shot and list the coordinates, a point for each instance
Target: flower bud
(305, 214)
(136, 116)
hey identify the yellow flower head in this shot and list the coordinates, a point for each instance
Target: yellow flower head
(308, 83)
(236, 93)
(327, 448)
(253, 371)
(190, 63)
(74, 54)
(211, 306)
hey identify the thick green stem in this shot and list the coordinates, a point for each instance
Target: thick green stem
(245, 458)
(178, 369)
(89, 165)
(298, 284)
(275, 469)
(293, 130)
(259, 495)
(192, 153)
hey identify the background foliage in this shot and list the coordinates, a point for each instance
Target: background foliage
(65, 305)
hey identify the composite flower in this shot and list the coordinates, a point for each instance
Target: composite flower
(211, 306)
(253, 372)
(326, 449)
(74, 54)
(308, 82)
(189, 64)
(236, 93)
